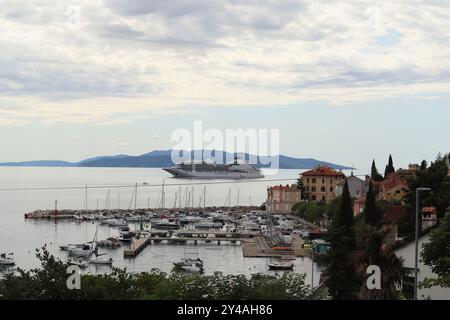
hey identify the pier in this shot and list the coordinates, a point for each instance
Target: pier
(261, 246)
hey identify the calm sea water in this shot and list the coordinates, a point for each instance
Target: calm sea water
(23, 236)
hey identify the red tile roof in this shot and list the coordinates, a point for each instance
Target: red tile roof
(285, 188)
(392, 181)
(323, 171)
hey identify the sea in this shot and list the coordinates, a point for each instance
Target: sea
(25, 189)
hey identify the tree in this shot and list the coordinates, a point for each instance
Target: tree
(389, 168)
(372, 215)
(300, 186)
(434, 177)
(436, 254)
(375, 176)
(372, 251)
(340, 273)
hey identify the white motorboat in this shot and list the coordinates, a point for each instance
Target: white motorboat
(85, 251)
(101, 259)
(281, 266)
(80, 263)
(190, 265)
(7, 259)
(116, 222)
(69, 247)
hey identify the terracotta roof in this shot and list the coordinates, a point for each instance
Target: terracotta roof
(429, 210)
(393, 213)
(392, 181)
(285, 188)
(323, 171)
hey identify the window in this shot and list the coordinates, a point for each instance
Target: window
(313, 189)
(313, 180)
(322, 189)
(323, 181)
(323, 198)
(307, 180)
(313, 198)
(331, 189)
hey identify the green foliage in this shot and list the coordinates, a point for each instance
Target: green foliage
(372, 214)
(436, 254)
(310, 211)
(374, 175)
(372, 251)
(300, 186)
(389, 167)
(49, 282)
(340, 273)
(434, 177)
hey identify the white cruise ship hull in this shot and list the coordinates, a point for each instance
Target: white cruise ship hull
(178, 173)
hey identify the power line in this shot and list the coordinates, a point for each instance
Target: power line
(142, 186)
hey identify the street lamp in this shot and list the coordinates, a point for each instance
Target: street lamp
(418, 190)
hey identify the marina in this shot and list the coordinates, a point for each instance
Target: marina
(78, 219)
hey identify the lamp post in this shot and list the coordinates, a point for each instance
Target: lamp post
(416, 259)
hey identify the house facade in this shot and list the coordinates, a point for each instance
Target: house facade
(280, 199)
(320, 183)
(391, 189)
(357, 187)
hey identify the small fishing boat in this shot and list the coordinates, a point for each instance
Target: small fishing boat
(80, 263)
(101, 259)
(190, 265)
(281, 266)
(7, 259)
(110, 243)
(69, 247)
(85, 251)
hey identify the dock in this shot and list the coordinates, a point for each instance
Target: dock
(259, 246)
(136, 247)
(183, 237)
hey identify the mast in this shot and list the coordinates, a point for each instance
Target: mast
(85, 198)
(204, 197)
(135, 199)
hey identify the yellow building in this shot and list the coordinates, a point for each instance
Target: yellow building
(280, 199)
(320, 183)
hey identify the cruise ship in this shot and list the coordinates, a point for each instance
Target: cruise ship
(204, 170)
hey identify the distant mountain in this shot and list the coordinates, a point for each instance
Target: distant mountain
(162, 158)
(40, 163)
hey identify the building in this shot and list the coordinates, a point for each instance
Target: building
(409, 173)
(391, 217)
(391, 189)
(280, 199)
(429, 217)
(359, 205)
(356, 186)
(320, 183)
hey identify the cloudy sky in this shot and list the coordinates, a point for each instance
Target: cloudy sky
(343, 81)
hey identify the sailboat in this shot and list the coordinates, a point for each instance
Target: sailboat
(102, 258)
(86, 250)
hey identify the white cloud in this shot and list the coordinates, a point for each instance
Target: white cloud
(113, 61)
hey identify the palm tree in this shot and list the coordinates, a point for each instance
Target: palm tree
(372, 251)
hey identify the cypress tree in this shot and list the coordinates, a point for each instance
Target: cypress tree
(372, 214)
(389, 168)
(374, 173)
(340, 271)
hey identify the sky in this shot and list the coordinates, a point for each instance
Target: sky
(343, 81)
